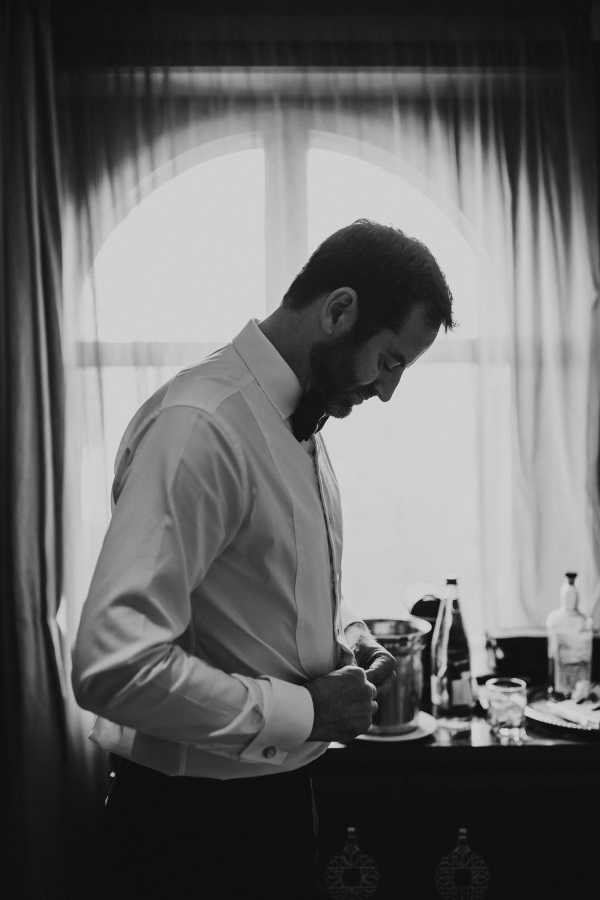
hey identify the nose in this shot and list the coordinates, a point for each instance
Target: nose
(387, 382)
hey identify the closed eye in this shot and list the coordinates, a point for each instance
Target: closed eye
(391, 364)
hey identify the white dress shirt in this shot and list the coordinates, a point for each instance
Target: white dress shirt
(217, 592)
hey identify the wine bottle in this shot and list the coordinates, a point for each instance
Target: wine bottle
(452, 695)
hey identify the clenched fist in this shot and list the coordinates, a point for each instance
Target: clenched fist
(344, 703)
(378, 663)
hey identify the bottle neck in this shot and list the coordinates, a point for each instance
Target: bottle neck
(570, 600)
(451, 596)
(449, 606)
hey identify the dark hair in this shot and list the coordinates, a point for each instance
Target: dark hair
(390, 272)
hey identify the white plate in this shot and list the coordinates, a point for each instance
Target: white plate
(541, 711)
(426, 725)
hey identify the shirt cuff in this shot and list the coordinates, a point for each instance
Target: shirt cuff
(289, 716)
(348, 616)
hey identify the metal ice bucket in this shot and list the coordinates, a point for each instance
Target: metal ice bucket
(399, 699)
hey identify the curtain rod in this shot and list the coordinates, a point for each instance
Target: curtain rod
(289, 81)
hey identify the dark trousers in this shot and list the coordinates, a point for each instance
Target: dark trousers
(206, 839)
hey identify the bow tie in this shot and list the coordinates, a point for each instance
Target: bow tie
(309, 416)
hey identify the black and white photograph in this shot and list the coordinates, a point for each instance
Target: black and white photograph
(300, 449)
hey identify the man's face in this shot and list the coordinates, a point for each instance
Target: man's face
(346, 373)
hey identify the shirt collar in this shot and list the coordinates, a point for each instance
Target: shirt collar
(276, 378)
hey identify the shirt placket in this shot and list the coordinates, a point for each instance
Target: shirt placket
(334, 562)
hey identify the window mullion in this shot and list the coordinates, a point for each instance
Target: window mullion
(286, 146)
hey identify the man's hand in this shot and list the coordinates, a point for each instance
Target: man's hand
(379, 664)
(344, 704)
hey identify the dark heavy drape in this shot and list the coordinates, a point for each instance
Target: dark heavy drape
(31, 423)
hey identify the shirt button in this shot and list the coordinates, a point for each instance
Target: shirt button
(269, 752)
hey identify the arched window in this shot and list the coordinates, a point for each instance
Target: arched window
(187, 268)
(237, 178)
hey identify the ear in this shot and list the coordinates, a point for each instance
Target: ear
(339, 311)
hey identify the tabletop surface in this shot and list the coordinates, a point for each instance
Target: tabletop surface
(541, 751)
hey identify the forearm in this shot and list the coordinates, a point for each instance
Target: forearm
(167, 693)
(161, 690)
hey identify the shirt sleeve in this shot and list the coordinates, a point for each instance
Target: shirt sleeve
(348, 615)
(183, 499)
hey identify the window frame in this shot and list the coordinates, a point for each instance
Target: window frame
(286, 140)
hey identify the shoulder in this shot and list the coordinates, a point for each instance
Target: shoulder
(208, 385)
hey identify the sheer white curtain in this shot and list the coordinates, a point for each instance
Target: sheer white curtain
(193, 198)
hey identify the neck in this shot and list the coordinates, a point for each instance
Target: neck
(286, 329)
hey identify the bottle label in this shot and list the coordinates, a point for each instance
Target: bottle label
(462, 692)
(439, 692)
(577, 648)
(569, 660)
(452, 696)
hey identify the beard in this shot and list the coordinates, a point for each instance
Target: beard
(333, 385)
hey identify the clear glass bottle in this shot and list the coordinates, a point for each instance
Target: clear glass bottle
(493, 654)
(427, 608)
(452, 695)
(569, 634)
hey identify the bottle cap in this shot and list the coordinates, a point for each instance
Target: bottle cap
(451, 580)
(571, 576)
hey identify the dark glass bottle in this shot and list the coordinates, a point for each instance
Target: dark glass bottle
(452, 695)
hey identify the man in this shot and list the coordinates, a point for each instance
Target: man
(214, 645)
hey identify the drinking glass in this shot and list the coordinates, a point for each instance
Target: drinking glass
(506, 699)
